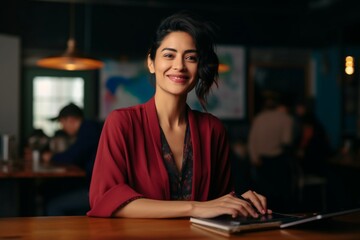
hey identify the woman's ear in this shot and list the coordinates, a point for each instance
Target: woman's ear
(150, 63)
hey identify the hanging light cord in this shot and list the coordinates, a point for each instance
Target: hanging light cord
(72, 21)
(71, 60)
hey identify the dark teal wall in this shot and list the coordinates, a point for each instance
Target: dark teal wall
(328, 95)
(351, 95)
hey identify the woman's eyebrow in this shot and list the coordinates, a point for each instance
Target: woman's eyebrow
(174, 50)
(169, 49)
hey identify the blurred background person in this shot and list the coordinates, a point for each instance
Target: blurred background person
(271, 152)
(314, 154)
(313, 148)
(75, 144)
(36, 143)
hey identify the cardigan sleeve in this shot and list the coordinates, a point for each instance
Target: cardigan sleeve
(109, 188)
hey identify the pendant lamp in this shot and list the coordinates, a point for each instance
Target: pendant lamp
(71, 60)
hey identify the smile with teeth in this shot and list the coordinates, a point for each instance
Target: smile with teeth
(178, 78)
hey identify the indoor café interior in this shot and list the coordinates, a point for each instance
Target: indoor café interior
(288, 97)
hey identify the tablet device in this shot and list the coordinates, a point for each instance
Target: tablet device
(316, 216)
(226, 225)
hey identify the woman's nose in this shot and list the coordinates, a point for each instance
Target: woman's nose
(178, 63)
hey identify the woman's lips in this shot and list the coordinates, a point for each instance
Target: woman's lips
(178, 78)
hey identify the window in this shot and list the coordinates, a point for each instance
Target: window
(46, 91)
(50, 94)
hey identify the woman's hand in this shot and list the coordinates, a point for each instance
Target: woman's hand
(231, 205)
(257, 200)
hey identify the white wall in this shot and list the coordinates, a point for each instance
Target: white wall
(9, 112)
(9, 85)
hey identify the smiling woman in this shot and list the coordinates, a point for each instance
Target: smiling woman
(176, 66)
(199, 46)
(161, 159)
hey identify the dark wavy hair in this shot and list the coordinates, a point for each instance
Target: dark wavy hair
(203, 35)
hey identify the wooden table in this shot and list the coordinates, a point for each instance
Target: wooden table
(345, 227)
(21, 185)
(26, 171)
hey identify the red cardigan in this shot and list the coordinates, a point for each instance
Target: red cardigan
(129, 163)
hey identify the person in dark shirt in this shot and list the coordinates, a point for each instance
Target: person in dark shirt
(84, 136)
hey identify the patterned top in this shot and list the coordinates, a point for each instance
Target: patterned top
(180, 182)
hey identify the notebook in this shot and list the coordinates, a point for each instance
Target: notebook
(226, 225)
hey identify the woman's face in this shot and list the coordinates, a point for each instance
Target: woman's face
(175, 65)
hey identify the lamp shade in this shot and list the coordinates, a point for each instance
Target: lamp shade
(70, 60)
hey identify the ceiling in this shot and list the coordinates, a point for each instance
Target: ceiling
(124, 27)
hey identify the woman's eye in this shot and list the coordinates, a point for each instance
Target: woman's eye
(168, 55)
(191, 58)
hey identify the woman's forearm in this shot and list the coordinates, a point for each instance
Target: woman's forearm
(149, 208)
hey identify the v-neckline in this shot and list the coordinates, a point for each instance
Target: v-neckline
(167, 145)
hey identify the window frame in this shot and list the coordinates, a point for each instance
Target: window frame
(91, 95)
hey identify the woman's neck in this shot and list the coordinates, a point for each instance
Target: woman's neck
(171, 111)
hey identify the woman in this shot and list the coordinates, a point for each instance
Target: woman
(162, 150)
